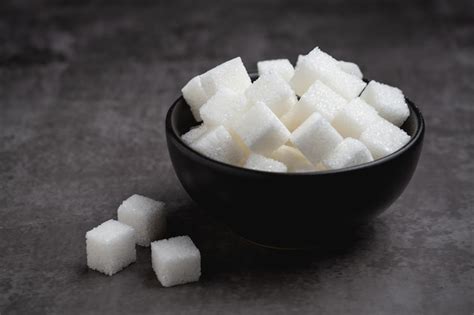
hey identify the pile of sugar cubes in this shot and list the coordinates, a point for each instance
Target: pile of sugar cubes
(111, 245)
(317, 116)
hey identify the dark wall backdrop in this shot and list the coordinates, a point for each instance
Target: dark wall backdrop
(84, 88)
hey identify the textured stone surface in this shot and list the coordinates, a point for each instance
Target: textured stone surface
(83, 94)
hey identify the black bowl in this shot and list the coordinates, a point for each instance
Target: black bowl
(291, 210)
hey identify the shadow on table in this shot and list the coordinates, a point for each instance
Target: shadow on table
(225, 252)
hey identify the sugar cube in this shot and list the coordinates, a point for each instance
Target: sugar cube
(349, 152)
(289, 120)
(282, 67)
(346, 85)
(176, 261)
(274, 91)
(300, 57)
(224, 108)
(230, 74)
(383, 138)
(261, 130)
(194, 133)
(315, 138)
(320, 167)
(146, 216)
(350, 68)
(326, 58)
(195, 96)
(318, 98)
(262, 163)
(354, 118)
(318, 65)
(304, 75)
(218, 144)
(110, 247)
(293, 159)
(389, 102)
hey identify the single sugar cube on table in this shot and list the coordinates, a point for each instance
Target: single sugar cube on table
(194, 133)
(383, 138)
(293, 159)
(224, 108)
(315, 138)
(110, 247)
(282, 67)
(146, 216)
(275, 92)
(318, 98)
(354, 118)
(230, 74)
(349, 152)
(261, 130)
(176, 261)
(195, 96)
(388, 101)
(262, 163)
(350, 68)
(220, 145)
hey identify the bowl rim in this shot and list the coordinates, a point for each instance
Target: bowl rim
(171, 129)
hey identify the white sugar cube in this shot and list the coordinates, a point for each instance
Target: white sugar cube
(350, 68)
(383, 138)
(290, 121)
(110, 247)
(146, 216)
(320, 67)
(354, 118)
(274, 91)
(293, 159)
(282, 67)
(261, 130)
(344, 84)
(389, 102)
(320, 167)
(317, 53)
(176, 261)
(194, 133)
(305, 75)
(318, 98)
(262, 163)
(300, 57)
(224, 108)
(195, 96)
(218, 144)
(315, 138)
(349, 152)
(230, 74)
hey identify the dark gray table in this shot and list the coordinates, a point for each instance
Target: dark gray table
(83, 94)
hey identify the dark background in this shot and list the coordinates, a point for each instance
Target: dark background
(84, 89)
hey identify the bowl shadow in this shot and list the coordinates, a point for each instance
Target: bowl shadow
(225, 252)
